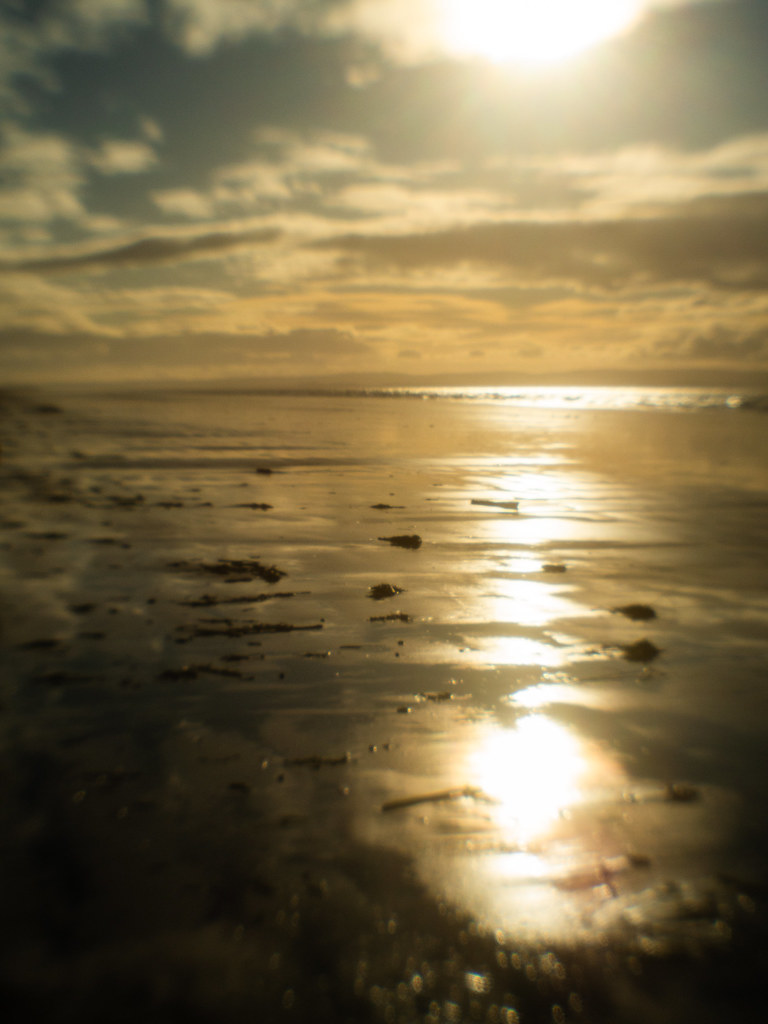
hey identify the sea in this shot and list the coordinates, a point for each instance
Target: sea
(391, 704)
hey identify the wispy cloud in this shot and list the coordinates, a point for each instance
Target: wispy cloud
(147, 251)
(44, 175)
(200, 25)
(605, 182)
(726, 344)
(31, 302)
(726, 248)
(123, 156)
(41, 176)
(287, 168)
(337, 177)
(187, 203)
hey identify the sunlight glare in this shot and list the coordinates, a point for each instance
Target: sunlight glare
(533, 33)
(533, 770)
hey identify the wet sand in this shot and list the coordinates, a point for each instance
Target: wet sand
(266, 757)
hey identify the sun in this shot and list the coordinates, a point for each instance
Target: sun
(533, 32)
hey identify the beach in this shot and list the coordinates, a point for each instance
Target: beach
(398, 705)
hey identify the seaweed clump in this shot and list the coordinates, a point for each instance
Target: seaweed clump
(382, 590)
(242, 568)
(405, 540)
(641, 650)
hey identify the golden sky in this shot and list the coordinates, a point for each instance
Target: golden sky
(215, 189)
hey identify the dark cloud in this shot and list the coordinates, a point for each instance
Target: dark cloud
(723, 249)
(73, 356)
(147, 251)
(719, 343)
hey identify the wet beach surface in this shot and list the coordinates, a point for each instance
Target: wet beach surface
(266, 756)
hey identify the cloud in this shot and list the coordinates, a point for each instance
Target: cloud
(184, 202)
(719, 343)
(123, 156)
(650, 174)
(333, 176)
(95, 18)
(80, 355)
(250, 185)
(198, 26)
(452, 209)
(150, 129)
(337, 177)
(28, 301)
(148, 251)
(407, 31)
(287, 168)
(313, 344)
(30, 32)
(41, 176)
(723, 248)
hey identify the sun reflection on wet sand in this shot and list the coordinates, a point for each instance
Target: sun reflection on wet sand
(554, 841)
(516, 817)
(520, 651)
(533, 773)
(521, 825)
(529, 603)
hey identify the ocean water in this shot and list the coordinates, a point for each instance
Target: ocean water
(267, 755)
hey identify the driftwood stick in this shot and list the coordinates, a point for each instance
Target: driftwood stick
(431, 798)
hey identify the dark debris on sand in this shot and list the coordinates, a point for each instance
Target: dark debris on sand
(510, 506)
(242, 568)
(316, 762)
(405, 540)
(636, 612)
(681, 793)
(209, 600)
(42, 644)
(241, 629)
(190, 672)
(383, 590)
(641, 650)
(61, 677)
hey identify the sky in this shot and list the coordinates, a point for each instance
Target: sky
(203, 190)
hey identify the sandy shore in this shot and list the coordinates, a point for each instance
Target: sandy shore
(266, 757)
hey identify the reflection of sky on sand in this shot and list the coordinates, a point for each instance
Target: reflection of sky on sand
(557, 507)
(517, 650)
(512, 623)
(526, 602)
